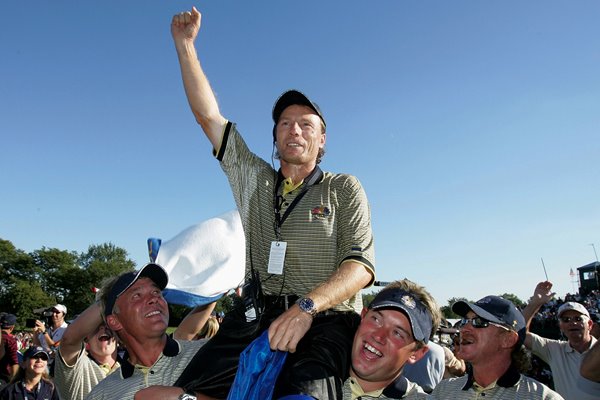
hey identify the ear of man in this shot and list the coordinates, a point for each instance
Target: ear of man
(417, 355)
(113, 323)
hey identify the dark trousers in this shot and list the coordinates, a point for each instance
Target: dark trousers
(318, 367)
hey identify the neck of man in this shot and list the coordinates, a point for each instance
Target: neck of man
(145, 351)
(370, 386)
(489, 371)
(581, 345)
(109, 359)
(31, 381)
(297, 172)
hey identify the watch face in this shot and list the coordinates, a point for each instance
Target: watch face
(307, 305)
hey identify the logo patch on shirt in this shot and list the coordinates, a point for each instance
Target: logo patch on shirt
(320, 212)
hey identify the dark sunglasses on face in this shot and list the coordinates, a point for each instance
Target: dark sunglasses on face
(39, 357)
(479, 322)
(566, 320)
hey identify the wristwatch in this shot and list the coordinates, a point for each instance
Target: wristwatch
(307, 305)
(186, 396)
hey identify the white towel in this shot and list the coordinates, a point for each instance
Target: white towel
(204, 261)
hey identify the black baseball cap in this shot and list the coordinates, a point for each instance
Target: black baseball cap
(8, 320)
(34, 351)
(153, 271)
(495, 309)
(292, 97)
(418, 315)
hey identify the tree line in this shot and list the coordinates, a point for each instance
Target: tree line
(44, 277)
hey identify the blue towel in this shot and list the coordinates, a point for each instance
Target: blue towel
(257, 372)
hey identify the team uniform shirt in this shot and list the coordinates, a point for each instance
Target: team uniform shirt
(510, 386)
(401, 388)
(330, 225)
(44, 390)
(564, 361)
(77, 380)
(129, 379)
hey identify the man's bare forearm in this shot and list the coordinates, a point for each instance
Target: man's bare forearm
(345, 282)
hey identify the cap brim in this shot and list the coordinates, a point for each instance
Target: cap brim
(292, 97)
(462, 308)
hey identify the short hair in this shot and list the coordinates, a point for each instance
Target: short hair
(424, 297)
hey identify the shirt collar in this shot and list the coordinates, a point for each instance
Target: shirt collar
(509, 379)
(171, 349)
(397, 389)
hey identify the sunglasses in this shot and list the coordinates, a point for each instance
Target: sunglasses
(39, 357)
(566, 320)
(479, 322)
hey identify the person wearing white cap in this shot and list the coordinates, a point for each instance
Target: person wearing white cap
(49, 337)
(563, 357)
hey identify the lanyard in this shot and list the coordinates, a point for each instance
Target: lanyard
(315, 176)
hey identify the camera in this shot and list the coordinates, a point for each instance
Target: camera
(30, 323)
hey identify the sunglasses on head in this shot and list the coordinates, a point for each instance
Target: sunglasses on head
(479, 322)
(566, 320)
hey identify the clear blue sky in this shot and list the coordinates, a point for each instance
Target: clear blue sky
(474, 126)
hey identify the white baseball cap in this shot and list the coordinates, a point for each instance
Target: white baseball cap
(571, 305)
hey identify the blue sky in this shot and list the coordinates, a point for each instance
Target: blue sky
(473, 126)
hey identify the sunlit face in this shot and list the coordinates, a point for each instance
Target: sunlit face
(481, 344)
(36, 365)
(575, 330)
(382, 345)
(102, 343)
(141, 311)
(299, 135)
(57, 317)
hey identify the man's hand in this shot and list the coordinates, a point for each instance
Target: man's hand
(543, 293)
(40, 327)
(185, 25)
(287, 330)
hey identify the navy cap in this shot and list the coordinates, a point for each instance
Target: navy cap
(153, 271)
(34, 351)
(292, 97)
(8, 320)
(495, 309)
(420, 318)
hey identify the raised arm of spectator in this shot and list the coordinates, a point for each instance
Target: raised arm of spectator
(184, 29)
(590, 364)
(541, 295)
(193, 322)
(85, 324)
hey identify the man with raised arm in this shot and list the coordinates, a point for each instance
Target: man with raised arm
(309, 243)
(563, 357)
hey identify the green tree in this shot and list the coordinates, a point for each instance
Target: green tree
(52, 265)
(447, 310)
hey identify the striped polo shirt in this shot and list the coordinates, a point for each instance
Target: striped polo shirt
(510, 386)
(129, 379)
(330, 225)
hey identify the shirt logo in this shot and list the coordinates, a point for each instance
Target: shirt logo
(320, 212)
